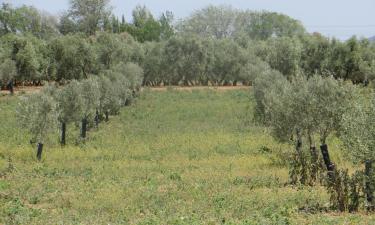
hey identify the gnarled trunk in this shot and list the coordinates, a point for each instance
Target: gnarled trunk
(327, 161)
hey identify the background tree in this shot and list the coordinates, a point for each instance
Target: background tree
(8, 69)
(72, 58)
(89, 15)
(282, 54)
(229, 58)
(67, 25)
(211, 21)
(264, 25)
(27, 19)
(185, 59)
(166, 25)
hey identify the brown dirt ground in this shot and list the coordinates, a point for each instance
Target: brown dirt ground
(22, 89)
(181, 88)
(33, 89)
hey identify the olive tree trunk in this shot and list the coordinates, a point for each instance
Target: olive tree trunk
(369, 189)
(84, 128)
(39, 151)
(63, 133)
(106, 116)
(327, 161)
(97, 118)
(314, 159)
(11, 87)
(301, 158)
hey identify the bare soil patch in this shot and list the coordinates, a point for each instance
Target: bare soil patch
(184, 88)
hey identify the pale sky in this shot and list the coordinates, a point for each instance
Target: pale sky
(339, 18)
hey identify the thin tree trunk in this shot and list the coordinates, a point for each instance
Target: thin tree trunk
(106, 116)
(327, 161)
(300, 157)
(84, 128)
(127, 102)
(97, 118)
(63, 133)
(314, 159)
(39, 151)
(11, 87)
(369, 189)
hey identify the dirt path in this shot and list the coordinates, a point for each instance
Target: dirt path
(179, 88)
(33, 89)
(22, 90)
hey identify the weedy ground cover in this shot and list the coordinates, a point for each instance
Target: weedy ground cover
(174, 157)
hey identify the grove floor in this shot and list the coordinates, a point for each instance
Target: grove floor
(175, 157)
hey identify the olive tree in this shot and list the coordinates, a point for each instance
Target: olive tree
(69, 106)
(37, 113)
(109, 100)
(329, 99)
(262, 84)
(154, 69)
(185, 59)
(72, 57)
(229, 58)
(89, 15)
(8, 71)
(283, 54)
(211, 21)
(90, 98)
(358, 135)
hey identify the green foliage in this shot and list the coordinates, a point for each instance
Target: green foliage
(264, 25)
(37, 114)
(72, 58)
(109, 100)
(228, 60)
(185, 59)
(283, 54)
(226, 22)
(8, 71)
(27, 19)
(69, 104)
(113, 49)
(89, 15)
(211, 21)
(89, 97)
(357, 128)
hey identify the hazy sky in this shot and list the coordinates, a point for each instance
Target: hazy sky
(339, 18)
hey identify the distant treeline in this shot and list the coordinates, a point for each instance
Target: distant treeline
(217, 45)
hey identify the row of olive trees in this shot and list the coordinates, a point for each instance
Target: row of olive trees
(353, 59)
(186, 59)
(192, 60)
(311, 109)
(85, 102)
(29, 59)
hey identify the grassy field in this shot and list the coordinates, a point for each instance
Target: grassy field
(175, 157)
